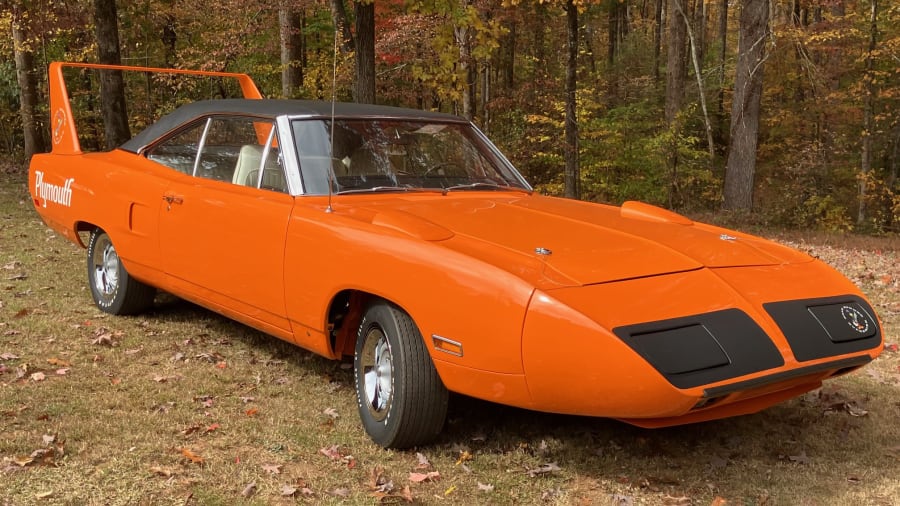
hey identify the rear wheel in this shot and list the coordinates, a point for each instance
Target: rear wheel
(113, 289)
(402, 401)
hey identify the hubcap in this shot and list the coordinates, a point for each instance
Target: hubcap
(377, 369)
(105, 263)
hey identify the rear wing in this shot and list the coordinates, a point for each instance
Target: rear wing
(62, 123)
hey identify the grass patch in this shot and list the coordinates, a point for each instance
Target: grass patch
(181, 406)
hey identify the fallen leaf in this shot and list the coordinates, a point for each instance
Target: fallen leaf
(58, 362)
(193, 457)
(718, 501)
(63, 371)
(543, 469)
(249, 490)
(853, 410)
(8, 356)
(212, 428)
(464, 456)
(420, 477)
(423, 462)
(621, 500)
(482, 487)
(44, 495)
(800, 459)
(246, 400)
(894, 451)
(103, 340)
(330, 412)
(48, 439)
(22, 460)
(551, 494)
(331, 452)
(22, 313)
(190, 430)
(251, 412)
(288, 491)
(177, 357)
(221, 365)
(134, 351)
(272, 468)
(339, 492)
(38, 376)
(892, 347)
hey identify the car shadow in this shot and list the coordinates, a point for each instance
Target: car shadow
(724, 456)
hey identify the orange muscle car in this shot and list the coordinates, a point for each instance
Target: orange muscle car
(406, 240)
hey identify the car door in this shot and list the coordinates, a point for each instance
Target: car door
(222, 231)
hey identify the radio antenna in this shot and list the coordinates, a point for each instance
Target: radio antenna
(330, 209)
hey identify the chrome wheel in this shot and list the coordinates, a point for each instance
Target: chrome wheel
(378, 373)
(105, 271)
(402, 401)
(113, 289)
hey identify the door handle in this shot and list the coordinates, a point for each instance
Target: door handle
(172, 199)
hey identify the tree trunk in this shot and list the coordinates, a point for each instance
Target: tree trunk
(657, 38)
(613, 33)
(28, 89)
(463, 37)
(290, 23)
(507, 55)
(695, 58)
(748, 87)
(364, 88)
(572, 186)
(676, 59)
(112, 86)
(169, 39)
(723, 53)
(342, 26)
(868, 115)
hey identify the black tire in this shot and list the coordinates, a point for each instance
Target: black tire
(113, 289)
(404, 402)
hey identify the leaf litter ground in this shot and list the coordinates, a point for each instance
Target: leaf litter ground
(182, 406)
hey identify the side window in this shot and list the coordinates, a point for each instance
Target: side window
(222, 146)
(237, 150)
(180, 151)
(259, 164)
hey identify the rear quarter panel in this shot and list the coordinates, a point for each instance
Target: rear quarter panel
(116, 191)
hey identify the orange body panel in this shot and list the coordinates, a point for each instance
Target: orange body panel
(518, 296)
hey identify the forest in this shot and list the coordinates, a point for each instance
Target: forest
(780, 112)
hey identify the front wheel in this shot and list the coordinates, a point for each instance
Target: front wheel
(113, 289)
(402, 401)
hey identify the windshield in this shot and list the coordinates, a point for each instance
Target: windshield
(368, 155)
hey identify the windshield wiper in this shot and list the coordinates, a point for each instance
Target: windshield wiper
(379, 189)
(487, 186)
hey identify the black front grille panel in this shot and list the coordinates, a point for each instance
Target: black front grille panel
(826, 327)
(701, 349)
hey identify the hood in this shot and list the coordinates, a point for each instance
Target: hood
(569, 243)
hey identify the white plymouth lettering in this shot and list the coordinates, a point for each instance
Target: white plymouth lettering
(61, 195)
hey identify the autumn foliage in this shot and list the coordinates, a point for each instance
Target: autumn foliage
(828, 143)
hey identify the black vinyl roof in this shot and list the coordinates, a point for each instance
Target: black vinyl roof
(272, 108)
